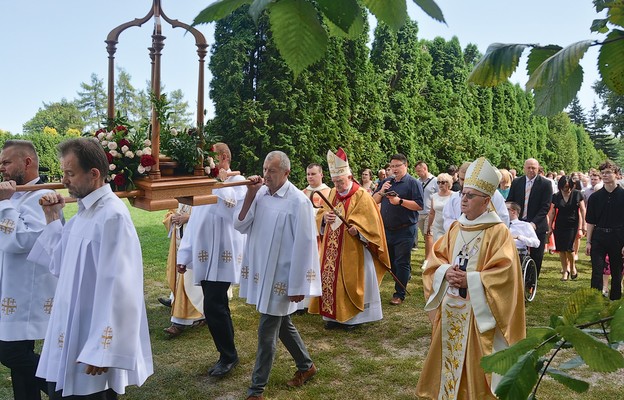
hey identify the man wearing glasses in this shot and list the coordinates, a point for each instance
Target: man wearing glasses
(401, 197)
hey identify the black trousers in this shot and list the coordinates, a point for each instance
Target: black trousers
(602, 244)
(104, 395)
(219, 319)
(537, 253)
(20, 357)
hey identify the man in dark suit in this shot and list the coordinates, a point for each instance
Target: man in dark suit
(535, 207)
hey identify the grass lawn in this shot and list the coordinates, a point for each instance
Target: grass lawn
(377, 361)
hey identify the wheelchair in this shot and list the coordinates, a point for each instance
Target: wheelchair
(529, 274)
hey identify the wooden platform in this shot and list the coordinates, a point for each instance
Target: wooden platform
(166, 192)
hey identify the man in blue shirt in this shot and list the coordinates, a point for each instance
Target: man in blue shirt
(401, 197)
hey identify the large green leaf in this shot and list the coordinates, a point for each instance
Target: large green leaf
(616, 13)
(431, 8)
(599, 26)
(256, 8)
(497, 65)
(610, 62)
(539, 54)
(355, 30)
(617, 326)
(342, 13)
(598, 356)
(557, 80)
(298, 33)
(217, 10)
(568, 380)
(520, 379)
(392, 12)
(584, 305)
(501, 361)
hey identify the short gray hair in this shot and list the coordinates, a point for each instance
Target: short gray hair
(284, 160)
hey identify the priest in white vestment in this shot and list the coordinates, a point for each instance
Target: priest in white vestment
(97, 341)
(280, 266)
(26, 289)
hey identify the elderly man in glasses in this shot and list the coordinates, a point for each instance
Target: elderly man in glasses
(473, 285)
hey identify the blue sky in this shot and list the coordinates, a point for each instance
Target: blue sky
(49, 47)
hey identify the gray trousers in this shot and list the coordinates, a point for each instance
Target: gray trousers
(269, 329)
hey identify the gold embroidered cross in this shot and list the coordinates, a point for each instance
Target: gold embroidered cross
(8, 305)
(203, 256)
(107, 337)
(47, 306)
(226, 256)
(311, 275)
(280, 288)
(245, 272)
(7, 226)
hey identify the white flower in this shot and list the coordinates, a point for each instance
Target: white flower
(124, 149)
(211, 163)
(174, 132)
(112, 167)
(105, 143)
(113, 153)
(111, 177)
(139, 153)
(207, 170)
(112, 145)
(147, 151)
(129, 154)
(147, 142)
(147, 169)
(141, 169)
(109, 135)
(101, 136)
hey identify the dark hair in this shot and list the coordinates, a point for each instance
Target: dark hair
(89, 153)
(399, 157)
(609, 165)
(565, 180)
(514, 206)
(451, 169)
(312, 165)
(24, 147)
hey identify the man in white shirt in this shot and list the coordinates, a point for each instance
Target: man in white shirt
(430, 186)
(26, 289)
(97, 341)
(522, 231)
(280, 266)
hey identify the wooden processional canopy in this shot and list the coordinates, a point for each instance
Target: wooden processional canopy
(156, 192)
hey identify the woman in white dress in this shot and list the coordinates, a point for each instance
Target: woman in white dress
(438, 200)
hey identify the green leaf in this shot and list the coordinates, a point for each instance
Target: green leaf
(298, 33)
(555, 321)
(599, 26)
(557, 80)
(392, 12)
(256, 8)
(497, 65)
(573, 363)
(616, 13)
(584, 305)
(568, 380)
(598, 356)
(431, 8)
(356, 29)
(520, 379)
(217, 10)
(501, 361)
(538, 55)
(341, 13)
(617, 326)
(610, 62)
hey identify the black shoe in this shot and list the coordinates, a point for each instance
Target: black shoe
(164, 302)
(329, 325)
(222, 368)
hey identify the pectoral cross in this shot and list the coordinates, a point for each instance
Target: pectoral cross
(462, 259)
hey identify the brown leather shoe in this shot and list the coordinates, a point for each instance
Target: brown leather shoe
(302, 377)
(174, 330)
(261, 397)
(396, 301)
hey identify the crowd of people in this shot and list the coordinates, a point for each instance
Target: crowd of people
(78, 284)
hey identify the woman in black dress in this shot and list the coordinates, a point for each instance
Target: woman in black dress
(567, 216)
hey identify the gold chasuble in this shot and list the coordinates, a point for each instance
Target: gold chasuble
(181, 307)
(467, 325)
(342, 255)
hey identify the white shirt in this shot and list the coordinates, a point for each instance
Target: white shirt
(452, 209)
(211, 247)
(26, 289)
(99, 314)
(523, 234)
(281, 257)
(432, 187)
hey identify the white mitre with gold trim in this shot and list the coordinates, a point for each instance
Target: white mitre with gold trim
(482, 176)
(338, 163)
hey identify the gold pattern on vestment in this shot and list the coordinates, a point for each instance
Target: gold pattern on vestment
(107, 337)
(47, 306)
(473, 180)
(280, 288)
(455, 319)
(245, 272)
(61, 340)
(9, 306)
(328, 274)
(203, 256)
(226, 256)
(7, 226)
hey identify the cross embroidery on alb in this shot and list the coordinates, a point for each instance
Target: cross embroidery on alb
(61, 340)
(8, 306)
(280, 288)
(107, 337)
(7, 226)
(47, 306)
(226, 256)
(256, 278)
(311, 275)
(230, 203)
(245, 272)
(203, 256)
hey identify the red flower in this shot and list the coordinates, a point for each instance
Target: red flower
(147, 160)
(124, 142)
(109, 157)
(101, 130)
(120, 180)
(119, 128)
